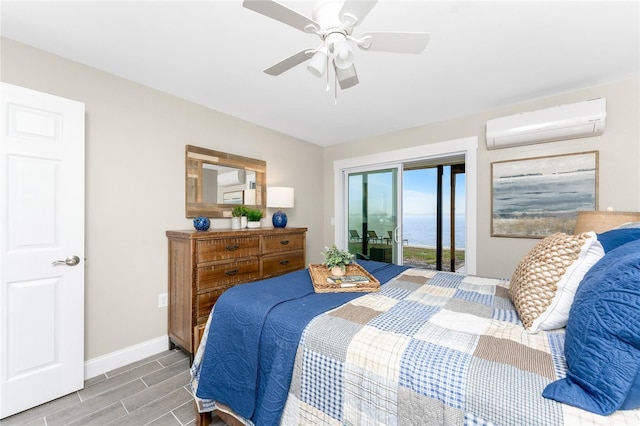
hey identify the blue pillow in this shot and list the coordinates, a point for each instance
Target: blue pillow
(617, 237)
(602, 341)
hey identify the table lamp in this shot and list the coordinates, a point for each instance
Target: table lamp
(600, 221)
(280, 197)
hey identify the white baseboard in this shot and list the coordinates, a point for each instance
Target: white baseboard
(105, 363)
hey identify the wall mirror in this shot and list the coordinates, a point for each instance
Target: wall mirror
(217, 181)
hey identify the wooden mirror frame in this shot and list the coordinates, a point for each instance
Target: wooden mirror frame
(195, 157)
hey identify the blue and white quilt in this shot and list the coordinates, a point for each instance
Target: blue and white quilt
(432, 348)
(252, 336)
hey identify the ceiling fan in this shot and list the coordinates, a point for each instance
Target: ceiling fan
(333, 21)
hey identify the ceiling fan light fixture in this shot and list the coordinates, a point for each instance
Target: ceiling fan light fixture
(343, 54)
(318, 63)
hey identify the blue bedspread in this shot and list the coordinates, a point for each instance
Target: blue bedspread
(259, 325)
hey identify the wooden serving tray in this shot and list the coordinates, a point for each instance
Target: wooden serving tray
(319, 274)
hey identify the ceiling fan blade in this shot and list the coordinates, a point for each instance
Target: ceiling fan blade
(395, 42)
(290, 62)
(282, 13)
(354, 11)
(346, 77)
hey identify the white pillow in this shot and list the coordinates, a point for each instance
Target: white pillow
(545, 282)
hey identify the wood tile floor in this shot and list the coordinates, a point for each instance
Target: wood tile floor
(154, 391)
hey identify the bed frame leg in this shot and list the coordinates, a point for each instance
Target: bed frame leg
(202, 419)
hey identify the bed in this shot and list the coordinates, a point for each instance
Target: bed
(433, 348)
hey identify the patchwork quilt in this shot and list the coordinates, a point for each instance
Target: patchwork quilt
(431, 348)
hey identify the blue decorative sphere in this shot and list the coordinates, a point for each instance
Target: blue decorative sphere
(201, 223)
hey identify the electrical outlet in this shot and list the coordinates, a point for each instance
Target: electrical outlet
(163, 300)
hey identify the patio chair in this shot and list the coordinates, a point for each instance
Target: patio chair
(372, 237)
(354, 237)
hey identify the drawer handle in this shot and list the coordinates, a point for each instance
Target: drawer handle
(232, 272)
(232, 247)
(284, 262)
(284, 242)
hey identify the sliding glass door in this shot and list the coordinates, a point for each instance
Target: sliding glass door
(456, 234)
(411, 213)
(372, 215)
(434, 215)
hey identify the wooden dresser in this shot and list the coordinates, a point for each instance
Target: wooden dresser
(203, 264)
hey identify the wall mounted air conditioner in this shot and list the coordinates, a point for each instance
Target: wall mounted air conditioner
(235, 177)
(579, 120)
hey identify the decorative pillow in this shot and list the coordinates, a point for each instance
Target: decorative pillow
(544, 283)
(602, 341)
(617, 237)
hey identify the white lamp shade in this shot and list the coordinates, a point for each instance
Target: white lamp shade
(344, 55)
(318, 63)
(280, 197)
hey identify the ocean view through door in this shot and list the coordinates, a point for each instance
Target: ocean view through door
(373, 215)
(433, 217)
(422, 228)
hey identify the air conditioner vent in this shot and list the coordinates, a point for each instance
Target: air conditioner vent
(578, 120)
(235, 177)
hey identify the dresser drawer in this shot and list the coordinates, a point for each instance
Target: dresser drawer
(282, 263)
(205, 264)
(285, 242)
(216, 249)
(204, 303)
(224, 275)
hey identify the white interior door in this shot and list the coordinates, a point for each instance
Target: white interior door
(42, 252)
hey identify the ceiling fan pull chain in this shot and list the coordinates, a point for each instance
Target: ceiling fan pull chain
(335, 88)
(327, 89)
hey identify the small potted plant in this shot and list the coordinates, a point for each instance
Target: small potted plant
(337, 260)
(254, 216)
(239, 213)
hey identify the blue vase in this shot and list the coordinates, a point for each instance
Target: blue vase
(201, 223)
(279, 219)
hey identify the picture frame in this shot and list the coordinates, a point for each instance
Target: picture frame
(233, 197)
(539, 196)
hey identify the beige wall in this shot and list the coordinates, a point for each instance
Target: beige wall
(619, 156)
(135, 142)
(135, 139)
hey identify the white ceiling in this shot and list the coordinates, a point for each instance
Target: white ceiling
(482, 55)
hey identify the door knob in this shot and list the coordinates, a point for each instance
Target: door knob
(69, 261)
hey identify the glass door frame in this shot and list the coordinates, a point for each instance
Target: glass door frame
(467, 146)
(396, 247)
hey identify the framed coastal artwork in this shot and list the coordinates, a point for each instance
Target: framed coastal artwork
(536, 197)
